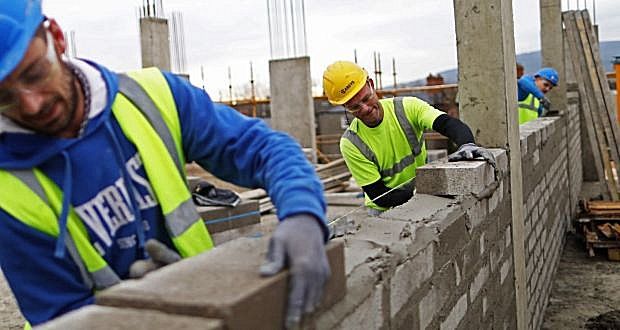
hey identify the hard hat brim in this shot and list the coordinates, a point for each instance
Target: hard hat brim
(19, 39)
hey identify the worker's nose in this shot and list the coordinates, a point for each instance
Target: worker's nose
(30, 102)
(365, 107)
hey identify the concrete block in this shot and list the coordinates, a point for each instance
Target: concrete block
(223, 283)
(477, 214)
(435, 154)
(409, 277)
(94, 317)
(451, 240)
(446, 280)
(456, 314)
(221, 218)
(505, 270)
(375, 236)
(478, 283)
(428, 308)
(455, 178)
(420, 207)
(369, 314)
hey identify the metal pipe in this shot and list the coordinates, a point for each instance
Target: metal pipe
(617, 68)
(394, 72)
(303, 17)
(269, 26)
(293, 32)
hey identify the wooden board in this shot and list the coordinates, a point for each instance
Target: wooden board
(597, 143)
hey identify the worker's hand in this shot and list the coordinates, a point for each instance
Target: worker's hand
(470, 151)
(298, 243)
(546, 104)
(160, 255)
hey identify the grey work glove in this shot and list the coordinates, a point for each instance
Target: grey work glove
(546, 104)
(297, 242)
(470, 151)
(160, 255)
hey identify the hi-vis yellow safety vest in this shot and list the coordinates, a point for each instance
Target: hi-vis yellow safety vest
(147, 114)
(528, 109)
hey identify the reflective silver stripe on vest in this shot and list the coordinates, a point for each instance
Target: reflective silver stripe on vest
(136, 95)
(361, 146)
(28, 177)
(530, 106)
(75, 255)
(183, 217)
(398, 167)
(105, 278)
(410, 133)
(101, 279)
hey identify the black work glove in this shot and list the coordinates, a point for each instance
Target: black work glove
(298, 242)
(546, 104)
(470, 151)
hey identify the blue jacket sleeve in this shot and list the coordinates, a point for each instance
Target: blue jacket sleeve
(526, 86)
(44, 286)
(246, 152)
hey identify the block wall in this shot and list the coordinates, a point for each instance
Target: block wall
(444, 260)
(551, 183)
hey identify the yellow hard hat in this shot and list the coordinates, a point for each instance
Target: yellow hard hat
(342, 80)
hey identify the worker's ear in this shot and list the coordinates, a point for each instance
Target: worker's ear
(60, 44)
(372, 83)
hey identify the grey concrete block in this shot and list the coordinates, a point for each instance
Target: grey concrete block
(455, 178)
(223, 283)
(222, 218)
(435, 154)
(104, 318)
(419, 208)
(409, 277)
(428, 308)
(456, 314)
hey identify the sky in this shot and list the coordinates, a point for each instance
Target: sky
(418, 34)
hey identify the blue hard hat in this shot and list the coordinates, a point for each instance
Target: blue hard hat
(549, 74)
(19, 20)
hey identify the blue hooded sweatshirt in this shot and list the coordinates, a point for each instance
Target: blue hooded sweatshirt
(93, 170)
(526, 85)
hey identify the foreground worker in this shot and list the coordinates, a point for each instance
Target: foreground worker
(532, 90)
(92, 173)
(384, 144)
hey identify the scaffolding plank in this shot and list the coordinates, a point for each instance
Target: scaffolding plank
(599, 109)
(607, 99)
(594, 133)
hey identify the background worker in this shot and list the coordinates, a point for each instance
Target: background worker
(520, 70)
(532, 90)
(91, 170)
(384, 144)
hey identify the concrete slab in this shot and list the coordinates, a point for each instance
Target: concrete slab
(104, 318)
(223, 283)
(221, 218)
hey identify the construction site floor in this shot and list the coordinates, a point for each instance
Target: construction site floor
(584, 288)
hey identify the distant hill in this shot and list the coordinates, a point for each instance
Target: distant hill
(531, 61)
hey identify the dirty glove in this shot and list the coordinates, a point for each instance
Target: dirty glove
(546, 104)
(470, 151)
(298, 243)
(160, 256)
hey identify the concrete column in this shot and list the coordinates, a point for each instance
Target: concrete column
(292, 107)
(552, 49)
(155, 43)
(488, 104)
